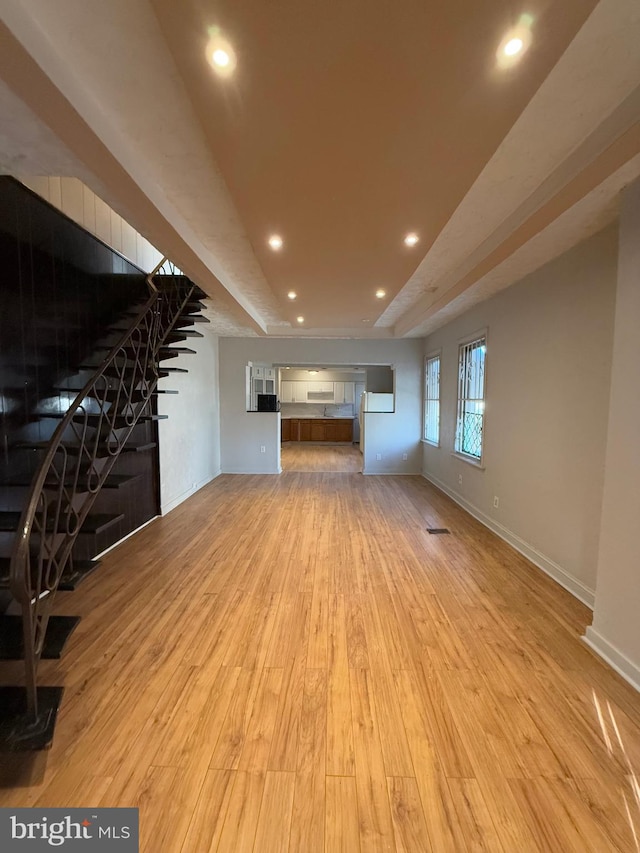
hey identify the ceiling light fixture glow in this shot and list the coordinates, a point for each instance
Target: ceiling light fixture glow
(515, 43)
(300, 319)
(411, 239)
(292, 294)
(220, 55)
(513, 46)
(380, 293)
(275, 241)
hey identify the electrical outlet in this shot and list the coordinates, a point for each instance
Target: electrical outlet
(459, 479)
(404, 456)
(496, 502)
(379, 457)
(263, 449)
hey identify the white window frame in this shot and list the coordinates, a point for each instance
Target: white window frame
(430, 358)
(471, 394)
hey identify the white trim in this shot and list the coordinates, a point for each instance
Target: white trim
(469, 460)
(473, 336)
(430, 357)
(463, 344)
(251, 473)
(625, 667)
(383, 473)
(573, 585)
(124, 539)
(165, 509)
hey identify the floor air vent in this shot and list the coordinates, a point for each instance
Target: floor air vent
(436, 531)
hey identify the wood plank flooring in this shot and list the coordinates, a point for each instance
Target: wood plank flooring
(292, 663)
(302, 457)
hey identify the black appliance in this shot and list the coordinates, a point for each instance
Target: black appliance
(268, 403)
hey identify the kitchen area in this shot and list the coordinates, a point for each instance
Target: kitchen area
(321, 414)
(320, 405)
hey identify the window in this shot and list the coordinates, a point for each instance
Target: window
(471, 383)
(432, 400)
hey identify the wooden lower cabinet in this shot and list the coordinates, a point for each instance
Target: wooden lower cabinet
(304, 433)
(317, 429)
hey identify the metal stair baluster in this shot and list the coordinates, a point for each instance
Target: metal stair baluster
(56, 508)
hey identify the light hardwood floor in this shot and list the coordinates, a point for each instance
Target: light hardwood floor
(302, 456)
(294, 664)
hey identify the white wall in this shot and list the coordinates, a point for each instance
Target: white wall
(390, 435)
(294, 375)
(616, 624)
(82, 205)
(549, 347)
(190, 438)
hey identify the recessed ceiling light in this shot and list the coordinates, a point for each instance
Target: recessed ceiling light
(365, 320)
(515, 43)
(300, 319)
(275, 241)
(220, 57)
(292, 294)
(313, 371)
(411, 239)
(380, 293)
(513, 46)
(220, 53)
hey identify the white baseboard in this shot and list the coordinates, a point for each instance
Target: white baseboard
(573, 585)
(247, 471)
(124, 538)
(625, 667)
(393, 473)
(174, 502)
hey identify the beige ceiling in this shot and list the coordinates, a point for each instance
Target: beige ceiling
(344, 126)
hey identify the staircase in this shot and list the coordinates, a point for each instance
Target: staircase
(52, 485)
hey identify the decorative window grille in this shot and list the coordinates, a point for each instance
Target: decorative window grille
(432, 400)
(471, 395)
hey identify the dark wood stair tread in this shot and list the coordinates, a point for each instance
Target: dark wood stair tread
(169, 350)
(59, 629)
(120, 422)
(74, 575)
(17, 733)
(112, 394)
(187, 333)
(96, 523)
(101, 451)
(71, 578)
(189, 319)
(113, 481)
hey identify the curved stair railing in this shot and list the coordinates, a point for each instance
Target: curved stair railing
(78, 458)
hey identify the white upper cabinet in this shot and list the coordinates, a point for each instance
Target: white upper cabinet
(343, 392)
(286, 391)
